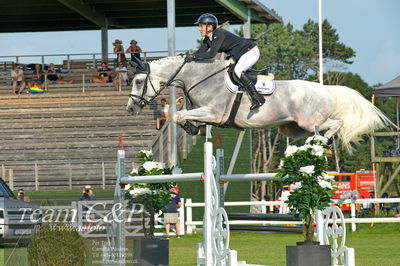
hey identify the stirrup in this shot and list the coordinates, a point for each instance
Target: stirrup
(255, 105)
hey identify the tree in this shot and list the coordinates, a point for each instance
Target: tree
(333, 51)
(286, 52)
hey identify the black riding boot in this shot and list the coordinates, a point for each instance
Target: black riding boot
(256, 99)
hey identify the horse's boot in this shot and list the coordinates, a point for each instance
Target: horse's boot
(256, 99)
(190, 128)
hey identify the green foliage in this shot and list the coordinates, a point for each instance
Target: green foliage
(304, 168)
(154, 196)
(332, 49)
(285, 51)
(57, 244)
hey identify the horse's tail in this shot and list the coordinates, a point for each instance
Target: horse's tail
(359, 115)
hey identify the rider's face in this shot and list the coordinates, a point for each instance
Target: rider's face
(203, 29)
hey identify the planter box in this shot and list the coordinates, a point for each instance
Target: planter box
(308, 254)
(149, 252)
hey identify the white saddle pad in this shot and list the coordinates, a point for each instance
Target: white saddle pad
(264, 85)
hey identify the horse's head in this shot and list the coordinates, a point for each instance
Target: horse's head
(145, 88)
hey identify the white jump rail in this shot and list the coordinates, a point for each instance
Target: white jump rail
(215, 248)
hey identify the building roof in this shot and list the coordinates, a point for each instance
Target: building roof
(63, 15)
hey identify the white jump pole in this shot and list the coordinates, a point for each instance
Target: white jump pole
(207, 229)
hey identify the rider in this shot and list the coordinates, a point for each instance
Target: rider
(244, 51)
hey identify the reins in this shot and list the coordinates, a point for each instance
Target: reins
(143, 101)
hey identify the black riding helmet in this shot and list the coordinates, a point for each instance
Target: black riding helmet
(208, 19)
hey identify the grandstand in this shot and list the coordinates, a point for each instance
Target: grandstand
(68, 137)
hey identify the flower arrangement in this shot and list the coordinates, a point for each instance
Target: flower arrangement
(153, 196)
(304, 169)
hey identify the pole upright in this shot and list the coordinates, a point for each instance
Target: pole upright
(321, 70)
(119, 199)
(208, 174)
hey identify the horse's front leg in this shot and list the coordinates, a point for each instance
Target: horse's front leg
(203, 114)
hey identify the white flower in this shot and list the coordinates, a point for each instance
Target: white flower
(324, 184)
(127, 187)
(305, 147)
(148, 153)
(134, 171)
(307, 170)
(281, 165)
(160, 165)
(148, 166)
(327, 177)
(295, 186)
(317, 150)
(140, 191)
(318, 139)
(176, 170)
(290, 150)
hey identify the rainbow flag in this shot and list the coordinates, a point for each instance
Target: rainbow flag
(35, 89)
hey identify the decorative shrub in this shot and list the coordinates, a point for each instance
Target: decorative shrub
(154, 196)
(57, 244)
(304, 169)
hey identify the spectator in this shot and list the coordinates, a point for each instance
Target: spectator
(119, 50)
(37, 76)
(87, 194)
(164, 115)
(171, 212)
(17, 79)
(104, 74)
(21, 194)
(121, 75)
(54, 75)
(134, 50)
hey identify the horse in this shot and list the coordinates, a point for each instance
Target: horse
(296, 107)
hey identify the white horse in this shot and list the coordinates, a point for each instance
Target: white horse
(296, 106)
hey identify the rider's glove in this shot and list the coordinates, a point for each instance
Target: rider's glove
(189, 58)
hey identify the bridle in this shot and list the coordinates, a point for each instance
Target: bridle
(146, 70)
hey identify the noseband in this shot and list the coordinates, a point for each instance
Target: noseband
(142, 101)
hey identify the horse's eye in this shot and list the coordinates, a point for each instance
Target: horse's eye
(139, 82)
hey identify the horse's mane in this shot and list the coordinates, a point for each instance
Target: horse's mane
(166, 59)
(179, 57)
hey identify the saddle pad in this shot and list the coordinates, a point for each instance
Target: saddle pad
(264, 84)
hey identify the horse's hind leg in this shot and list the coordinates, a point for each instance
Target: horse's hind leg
(330, 127)
(292, 130)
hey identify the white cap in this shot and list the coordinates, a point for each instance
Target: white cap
(88, 187)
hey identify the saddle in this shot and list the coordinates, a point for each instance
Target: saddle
(260, 78)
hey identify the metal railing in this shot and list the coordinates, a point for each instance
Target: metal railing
(59, 58)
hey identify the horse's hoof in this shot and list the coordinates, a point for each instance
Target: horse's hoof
(203, 130)
(190, 128)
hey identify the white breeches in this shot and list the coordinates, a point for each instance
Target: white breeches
(246, 61)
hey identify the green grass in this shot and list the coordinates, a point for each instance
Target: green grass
(237, 191)
(374, 246)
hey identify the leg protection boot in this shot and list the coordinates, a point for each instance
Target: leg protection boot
(256, 99)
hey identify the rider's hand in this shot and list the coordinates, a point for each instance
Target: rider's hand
(189, 58)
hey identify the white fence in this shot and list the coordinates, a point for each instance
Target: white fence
(358, 205)
(188, 225)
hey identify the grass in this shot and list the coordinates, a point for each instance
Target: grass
(374, 246)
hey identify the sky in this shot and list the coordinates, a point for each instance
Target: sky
(370, 27)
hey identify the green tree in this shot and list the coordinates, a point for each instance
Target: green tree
(332, 49)
(285, 51)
